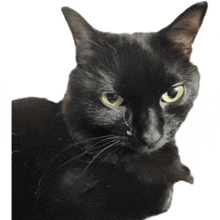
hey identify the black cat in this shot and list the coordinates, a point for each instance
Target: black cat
(107, 150)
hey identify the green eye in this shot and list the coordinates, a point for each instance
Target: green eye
(112, 99)
(173, 94)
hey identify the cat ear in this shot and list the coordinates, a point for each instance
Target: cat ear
(183, 30)
(82, 31)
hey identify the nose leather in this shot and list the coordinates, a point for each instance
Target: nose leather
(152, 128)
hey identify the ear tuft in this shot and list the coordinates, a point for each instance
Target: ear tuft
(185, 27)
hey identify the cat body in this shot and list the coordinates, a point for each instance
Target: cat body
(122, 186)
(107, 150)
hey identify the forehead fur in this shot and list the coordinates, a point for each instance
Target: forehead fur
(140, 62)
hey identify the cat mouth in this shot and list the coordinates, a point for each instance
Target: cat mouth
(142, 147)
(151, 147)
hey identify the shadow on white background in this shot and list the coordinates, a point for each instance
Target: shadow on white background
(38, 53)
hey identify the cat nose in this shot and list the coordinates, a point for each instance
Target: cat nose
(152, 130)
(150, 137)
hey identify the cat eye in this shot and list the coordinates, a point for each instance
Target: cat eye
(112, 99)
(173, 94)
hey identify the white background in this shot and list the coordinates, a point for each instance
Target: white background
(37, 53)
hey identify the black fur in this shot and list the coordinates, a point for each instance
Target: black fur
(81, 159)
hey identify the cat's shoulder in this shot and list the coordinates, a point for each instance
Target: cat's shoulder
(33, 113)
(33, 108)
(37, 119)
(31, 103)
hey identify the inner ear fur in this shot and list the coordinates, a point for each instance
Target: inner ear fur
(183, 30)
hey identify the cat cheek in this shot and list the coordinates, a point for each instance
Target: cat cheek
(106, 117)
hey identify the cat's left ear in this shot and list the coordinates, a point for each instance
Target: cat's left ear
(183, 30)
(83, 33)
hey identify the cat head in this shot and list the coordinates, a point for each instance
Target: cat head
(138, 87)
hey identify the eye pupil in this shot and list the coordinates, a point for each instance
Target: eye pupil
(112, 98)
(172, 93)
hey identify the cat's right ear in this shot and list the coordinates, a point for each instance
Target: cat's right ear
(83, 33)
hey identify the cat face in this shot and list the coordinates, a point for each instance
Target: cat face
(137, 87)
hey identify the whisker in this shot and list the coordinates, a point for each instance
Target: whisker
(44, 173)
(82, 142)
(105, 138)
(112, 143)
(112, 153)
(72, 159)
(75, 144)
(94, 157)
(78, 156)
